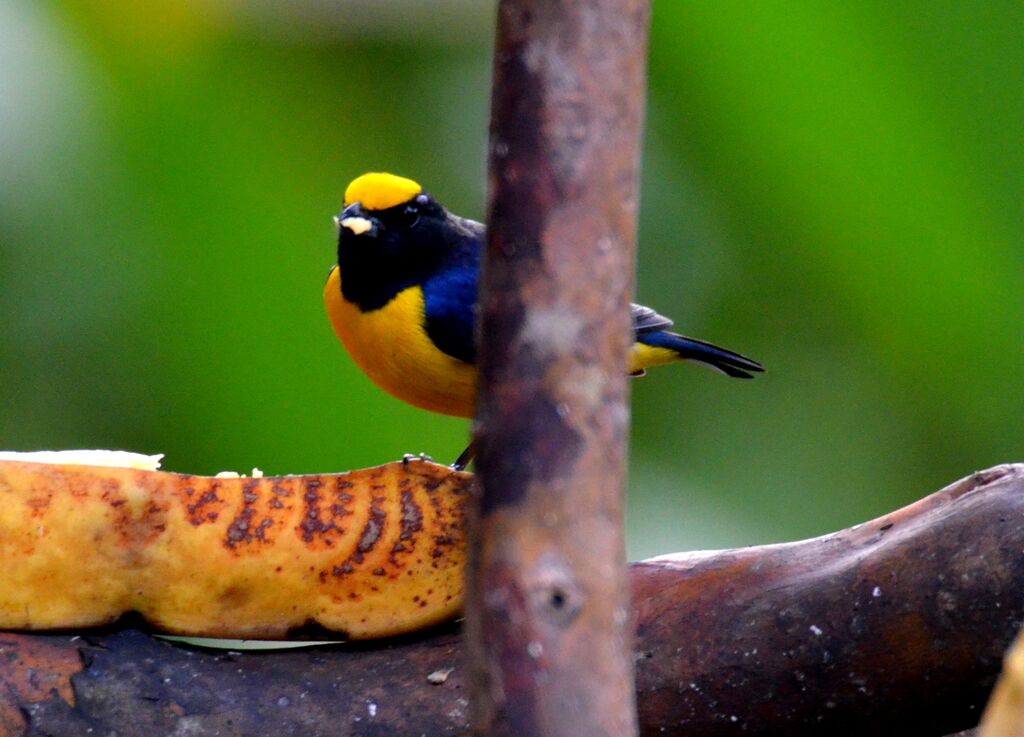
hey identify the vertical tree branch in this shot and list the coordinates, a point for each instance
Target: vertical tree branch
(548, 607)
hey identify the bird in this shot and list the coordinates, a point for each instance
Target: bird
(402, 300)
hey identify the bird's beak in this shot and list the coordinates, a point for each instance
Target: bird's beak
(352, 219)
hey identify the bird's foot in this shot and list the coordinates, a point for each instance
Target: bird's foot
(416, 457)
(464, 458)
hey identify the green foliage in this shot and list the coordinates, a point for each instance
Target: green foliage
(834, 190)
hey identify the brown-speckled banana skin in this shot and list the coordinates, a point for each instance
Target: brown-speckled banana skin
(369, 553)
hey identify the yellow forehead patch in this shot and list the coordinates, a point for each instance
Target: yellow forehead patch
(379, 191)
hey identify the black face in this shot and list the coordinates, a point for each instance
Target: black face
(403, 246)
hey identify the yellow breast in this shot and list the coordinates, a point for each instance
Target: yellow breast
(391, 346)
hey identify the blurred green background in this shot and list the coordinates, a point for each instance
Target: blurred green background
(834, 189)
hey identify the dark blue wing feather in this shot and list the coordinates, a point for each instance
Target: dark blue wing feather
(450, 304)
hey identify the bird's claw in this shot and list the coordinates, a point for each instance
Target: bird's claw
(416, 457)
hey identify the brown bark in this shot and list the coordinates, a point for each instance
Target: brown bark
(893, 627)
(547, 595)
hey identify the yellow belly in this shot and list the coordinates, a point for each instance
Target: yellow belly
(391, 346)
(645, 356)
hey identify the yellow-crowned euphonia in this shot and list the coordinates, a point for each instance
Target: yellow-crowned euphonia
(402, 300)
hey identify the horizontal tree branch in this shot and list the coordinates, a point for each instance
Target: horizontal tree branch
(896, 626)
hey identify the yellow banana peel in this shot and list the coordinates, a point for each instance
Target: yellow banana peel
(370, 553)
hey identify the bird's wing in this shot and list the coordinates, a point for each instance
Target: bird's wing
(471, 228)
(646, 320)
(449, 301)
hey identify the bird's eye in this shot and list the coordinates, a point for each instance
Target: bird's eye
(422, 199)
(412, 214)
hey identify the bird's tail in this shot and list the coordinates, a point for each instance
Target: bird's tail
(689, 349)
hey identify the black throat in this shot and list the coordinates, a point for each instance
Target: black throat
(374, 269)
(369, 279)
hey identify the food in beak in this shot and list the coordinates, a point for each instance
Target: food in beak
(357, 225)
